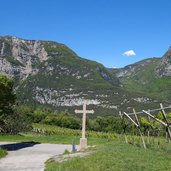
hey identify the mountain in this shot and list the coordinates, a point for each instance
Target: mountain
(49, 74)
(150, 77)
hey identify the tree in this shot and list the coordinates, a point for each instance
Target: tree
(7, 101)
(11, 120)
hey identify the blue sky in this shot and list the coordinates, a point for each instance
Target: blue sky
(100, 30)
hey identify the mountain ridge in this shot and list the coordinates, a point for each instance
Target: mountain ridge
(150, 76)
(50, 74)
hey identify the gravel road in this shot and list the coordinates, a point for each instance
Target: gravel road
(29, 156)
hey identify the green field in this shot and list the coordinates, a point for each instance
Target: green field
(116, 156)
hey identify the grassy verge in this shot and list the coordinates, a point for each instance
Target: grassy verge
(116, 156)
(3, 153)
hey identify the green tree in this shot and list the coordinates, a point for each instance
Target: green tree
(11, 119)
(107, 124)
(7, 101)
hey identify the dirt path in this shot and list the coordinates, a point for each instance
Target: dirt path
(29, 156)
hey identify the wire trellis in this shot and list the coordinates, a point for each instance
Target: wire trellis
(152, 110)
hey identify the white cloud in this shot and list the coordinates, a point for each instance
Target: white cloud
(114, 67)
(129, 53)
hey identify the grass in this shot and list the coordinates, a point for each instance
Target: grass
(52, 134)
(56, 139)
(116, 156)
(3, 153)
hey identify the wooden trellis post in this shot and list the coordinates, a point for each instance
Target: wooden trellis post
(166, 120)
(121, 116)
(139, 128)
(158, 120)
(150, 117)
(137, 124)
(148, 131)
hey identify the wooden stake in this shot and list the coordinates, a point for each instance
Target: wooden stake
(168, 132)
(138, 127)
(126, 139)
(131, 119)
(156, 119)
(158, 136)
(167, 139)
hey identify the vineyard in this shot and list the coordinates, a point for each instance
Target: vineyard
(52, 130)
(150, 129)
(147, 129)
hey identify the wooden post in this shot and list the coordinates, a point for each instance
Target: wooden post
(148, 131)
(133, 134)
(121, 116)
(168, 132)
(156, 119)
(131, 119)
(158, 136)
(167, 139)
(138, 127)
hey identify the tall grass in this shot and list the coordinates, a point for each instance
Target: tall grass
(2, 153)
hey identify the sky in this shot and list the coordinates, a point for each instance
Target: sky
(115, 33)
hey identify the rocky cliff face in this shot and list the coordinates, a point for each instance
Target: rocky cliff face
(18, 56)
(50, 74)
(164, 67)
